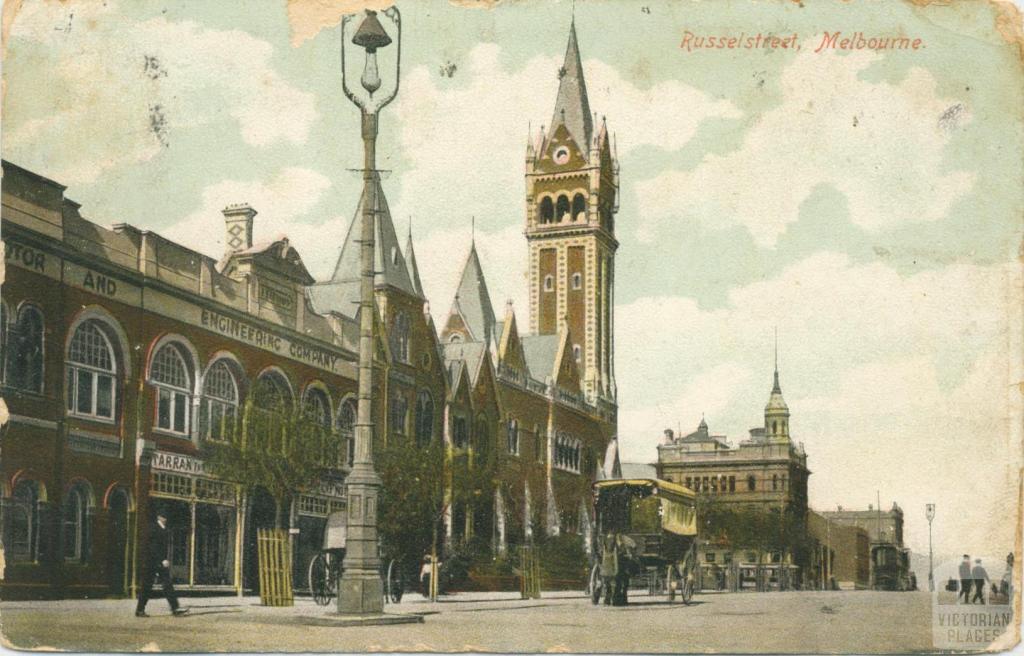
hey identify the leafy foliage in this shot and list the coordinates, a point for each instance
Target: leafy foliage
(757, 527)
(274, 446)
(411, 497)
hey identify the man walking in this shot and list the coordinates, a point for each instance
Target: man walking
(966, 580)
(157, 566)
(980, 579)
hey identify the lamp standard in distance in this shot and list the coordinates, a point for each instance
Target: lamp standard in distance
(929, 512)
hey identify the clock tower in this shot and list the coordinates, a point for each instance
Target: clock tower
(571, 201)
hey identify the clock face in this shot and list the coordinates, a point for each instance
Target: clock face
(561, 155)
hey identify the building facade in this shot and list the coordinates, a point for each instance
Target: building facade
(840, 556)
(880, 525)
(767, 471)
(124, 353)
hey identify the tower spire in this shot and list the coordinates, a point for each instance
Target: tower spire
(776, 388)
(572, 106)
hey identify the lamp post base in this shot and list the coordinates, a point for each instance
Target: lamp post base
(363, 595)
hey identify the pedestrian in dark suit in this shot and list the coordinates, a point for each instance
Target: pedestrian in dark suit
(966, 580)
(158, 567)
(980, 579)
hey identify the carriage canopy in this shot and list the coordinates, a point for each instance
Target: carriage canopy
(677, 510)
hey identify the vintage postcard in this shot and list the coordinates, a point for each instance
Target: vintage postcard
(621, 326)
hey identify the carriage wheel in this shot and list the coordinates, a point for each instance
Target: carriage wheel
(595, 585)
(395, 582)
(671, 581)
(320, 580)
(687, 591)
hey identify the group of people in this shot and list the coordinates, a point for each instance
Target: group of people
(618, 552)
(976, 578)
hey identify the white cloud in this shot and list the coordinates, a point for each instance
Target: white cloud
(880, 144)
(441, 255)
(444, 121)
(120, 89)
(901, 384)
(281, 202)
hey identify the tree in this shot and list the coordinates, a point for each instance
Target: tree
(275, 445)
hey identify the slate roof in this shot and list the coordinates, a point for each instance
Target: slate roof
(540, 352)
(473, 301)
(469, 353)
(341, 292)
(572, 97)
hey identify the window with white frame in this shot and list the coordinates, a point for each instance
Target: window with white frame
(567, 452)
(75, 523)
(91, 373)
(577, 280)
(173, 380)
(549, 283)
(512, 437)
(24, 352)
(219, 408)
(576, 352)
(347, 428)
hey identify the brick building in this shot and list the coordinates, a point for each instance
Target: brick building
(767, 471)
(841, 555)
(123, 352)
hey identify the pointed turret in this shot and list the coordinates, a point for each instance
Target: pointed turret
(472, 303)
(414, 271)
(571, 106)
(341, 292)
(776, 412)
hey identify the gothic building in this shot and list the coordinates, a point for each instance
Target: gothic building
(123, 353)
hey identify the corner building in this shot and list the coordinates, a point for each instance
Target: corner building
(122, 352)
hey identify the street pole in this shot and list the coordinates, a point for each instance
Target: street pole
(361, 591)
(929, 512)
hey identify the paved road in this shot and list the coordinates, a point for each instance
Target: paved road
(823, 622)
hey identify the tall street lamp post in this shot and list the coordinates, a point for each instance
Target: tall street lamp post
(929, 512)
(361, 591)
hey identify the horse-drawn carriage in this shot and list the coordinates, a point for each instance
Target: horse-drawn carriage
(653, 527)
(326, 568)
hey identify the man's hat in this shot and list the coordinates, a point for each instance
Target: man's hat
(977, 560)
(967, 557)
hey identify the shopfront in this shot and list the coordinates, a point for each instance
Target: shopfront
(203, 516)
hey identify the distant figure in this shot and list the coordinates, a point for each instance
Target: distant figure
(980, 577)
(609, 566)
(966, 580)
(1006, 584)
(158, 567)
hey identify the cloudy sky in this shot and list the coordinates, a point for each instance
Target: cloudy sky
(868, 205)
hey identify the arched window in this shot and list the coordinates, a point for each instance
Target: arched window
(579, 208)
(562, 208)
(547, 210)
(399, 414)
(424, 418)
(751, 483)
(576, 351)
(316, 407)
(219, 407)
(271, 403)
(91, 368)
(460, 432)
(75, 521)
(483, 438)
(455, 338)
(347, 428)
(577, 280)
(23, 528)
(400, 337)
(512, 437)
(171, 374)
(549, 283)
(538, 444)
(25, 350)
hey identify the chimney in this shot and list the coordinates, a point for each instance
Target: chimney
(238, 226)
(668, 436)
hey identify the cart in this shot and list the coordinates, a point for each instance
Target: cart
(326, 568)
(659, 519)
